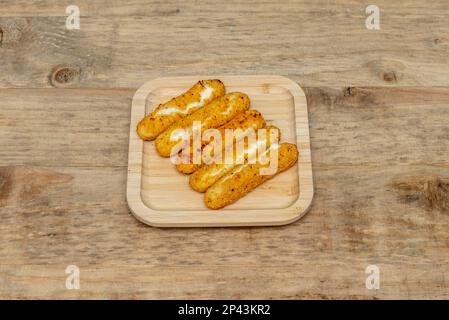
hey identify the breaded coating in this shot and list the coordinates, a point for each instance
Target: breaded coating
(207, 175)
(213, 115)
(245, 178)
(166, 114)
(248, 120)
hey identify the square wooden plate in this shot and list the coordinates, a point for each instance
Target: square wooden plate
(160, 196)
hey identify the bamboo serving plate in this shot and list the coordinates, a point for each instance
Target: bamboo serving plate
(159, 195)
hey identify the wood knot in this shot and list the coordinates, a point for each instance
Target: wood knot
(389, 76)
(14, 33)
(355, 97)
(387, 70)
(431, 190)
(170, 12)
(64, 75)
(349, 91)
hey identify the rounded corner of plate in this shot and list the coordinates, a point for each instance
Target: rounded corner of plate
(144, 220)
(300, 214)
(145, 89)
(292, 85)
(137, 207)
(299, 210)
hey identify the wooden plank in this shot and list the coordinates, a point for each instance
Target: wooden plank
(392, 215)
(49, 8)
(350, 126)
(315, 44)
(381, 197)
(222, 282)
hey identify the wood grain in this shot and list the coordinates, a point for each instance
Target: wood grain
(386, 206)
(379, 149)
(316, 43)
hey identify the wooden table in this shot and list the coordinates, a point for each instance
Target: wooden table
(379, 124)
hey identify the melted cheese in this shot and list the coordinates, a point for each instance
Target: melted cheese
(205, 94)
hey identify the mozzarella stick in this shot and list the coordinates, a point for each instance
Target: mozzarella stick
(166, 114)
(245, 178)
(207, 175)
(213, 115)
(248, 120)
